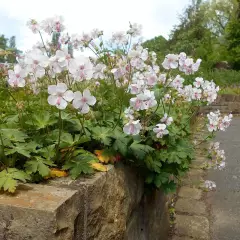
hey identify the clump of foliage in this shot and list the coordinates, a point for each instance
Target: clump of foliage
(68, 114)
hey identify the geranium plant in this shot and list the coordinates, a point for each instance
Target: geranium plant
(63, 111)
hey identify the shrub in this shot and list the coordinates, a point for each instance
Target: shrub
(70, 115)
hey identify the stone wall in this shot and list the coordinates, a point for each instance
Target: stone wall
(106, 206)
(226, 103)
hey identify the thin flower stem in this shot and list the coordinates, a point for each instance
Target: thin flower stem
(81, 122)
(60, 133)
(44, 44)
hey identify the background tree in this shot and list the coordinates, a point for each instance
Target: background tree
(9, 46)
(233, 38)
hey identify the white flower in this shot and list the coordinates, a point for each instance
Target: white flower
(16, 76)
(133, 127)
(36, 61)
(177, 82)
(33, 25)
(82, 101)
(95, 33)
(162, 78)
(187, 65)
(54, 24)
(47, 25)
(143, 101)
(99, 71)
(59, 95)
(58, 24)
(170, 62)
(129, 113)
(135, 29)
(151, 78)
(210, 185)
(198, 82)
(138, 56)
(81, 68)
(160, 130)
(119, 38)
(167, 120)
(76, 40)
(196, 94)
(60, 61)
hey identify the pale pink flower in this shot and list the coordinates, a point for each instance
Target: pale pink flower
(160, 130)
(81, 68)
(33, 25)
(170, 62)
(132, 127)
(59, 95)
(60, 61)
(16, 76)
(82, 101)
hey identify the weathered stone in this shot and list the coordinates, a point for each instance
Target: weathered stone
(192, 226)
(187, 192)
(105, 206)
(39, 212)
(181, 238)
(190, 206)
(193, 178)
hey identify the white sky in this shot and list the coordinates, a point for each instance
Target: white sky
(156, 16)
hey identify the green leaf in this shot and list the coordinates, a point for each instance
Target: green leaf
(80, 164)
(41, 120)
(102, 134)
(13, 135)
(161, 178)
(39, 164)
(9, 179)
(140, 150)
(169, 187)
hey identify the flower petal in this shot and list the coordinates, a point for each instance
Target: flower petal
(62, 105)
(61, 87)
(86, 93)
(52, 89)
(68, 95)
(91, 100)
(77, 95)
(52, 100)
(85, 108)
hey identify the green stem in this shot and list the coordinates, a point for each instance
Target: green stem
(43, 43)
(81, 122)
(60, 132)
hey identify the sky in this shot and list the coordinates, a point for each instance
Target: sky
(157, 16)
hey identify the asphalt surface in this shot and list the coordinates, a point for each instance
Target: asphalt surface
(225, 201)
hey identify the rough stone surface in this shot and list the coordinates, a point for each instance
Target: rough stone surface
(105, 206)
(38, 212)
(225, 103)
(190, 206)
(187, 192)
(192, 226)
(181, 238)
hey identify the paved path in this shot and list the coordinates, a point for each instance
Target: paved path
(211, 215)
(225, 201)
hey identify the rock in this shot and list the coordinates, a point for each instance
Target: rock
(190, 206)
(104, 206)
(192, 226)
(187, 192)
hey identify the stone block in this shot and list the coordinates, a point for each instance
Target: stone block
(190, 206)
(181, 238)
(192, 226)
(39, 212)
(187, 192)
(104, 206)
